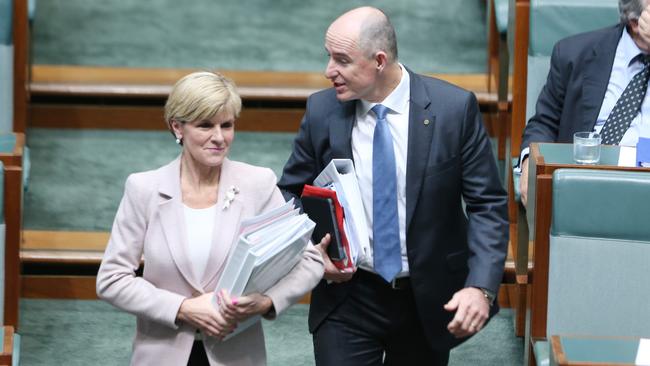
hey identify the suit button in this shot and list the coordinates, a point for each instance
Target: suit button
(426, 122)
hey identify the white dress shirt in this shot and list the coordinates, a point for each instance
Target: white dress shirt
(362, 135)
(200, 224)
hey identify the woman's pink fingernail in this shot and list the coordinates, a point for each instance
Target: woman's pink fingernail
(234, 301)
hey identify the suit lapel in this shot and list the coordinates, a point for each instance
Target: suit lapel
(170, 210)
(597, 70)
(421, 125)
(226, 224)
(340, 131)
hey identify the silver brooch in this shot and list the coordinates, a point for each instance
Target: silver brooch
(230, 196)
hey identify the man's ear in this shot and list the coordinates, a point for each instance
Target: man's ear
(381, 59)
(633, 26)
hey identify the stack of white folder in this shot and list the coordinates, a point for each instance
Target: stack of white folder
(267, 248)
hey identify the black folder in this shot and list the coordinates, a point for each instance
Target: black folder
(321, 211)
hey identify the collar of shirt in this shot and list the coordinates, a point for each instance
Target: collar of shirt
(397, 101)
(629, 50)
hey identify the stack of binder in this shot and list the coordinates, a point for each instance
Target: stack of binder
(267, 248)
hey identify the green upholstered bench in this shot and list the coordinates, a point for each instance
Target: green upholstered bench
(589, 350)
(6, 66)
(501, 15)
(598, 255)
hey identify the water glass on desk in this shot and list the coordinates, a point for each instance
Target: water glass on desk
(586, 147)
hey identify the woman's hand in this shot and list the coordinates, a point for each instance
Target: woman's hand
(237, 309)
(200, 313)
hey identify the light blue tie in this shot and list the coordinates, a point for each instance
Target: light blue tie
(385, 227)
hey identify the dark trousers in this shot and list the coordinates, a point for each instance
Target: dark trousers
(375, 325)
(198, 356)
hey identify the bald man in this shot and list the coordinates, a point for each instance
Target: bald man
(419, 149)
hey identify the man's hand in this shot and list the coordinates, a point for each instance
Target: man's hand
(237, 309)
(200, 313)
(331, 272)
(644, 27)
(472, 310)
(523, 182)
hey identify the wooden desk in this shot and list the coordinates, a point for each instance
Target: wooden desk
(593, 351)
(545, 158)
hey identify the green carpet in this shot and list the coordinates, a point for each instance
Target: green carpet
(77, 176)
(433, 35)
(78, 332)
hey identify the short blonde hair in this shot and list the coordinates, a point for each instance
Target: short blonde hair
(201, 95)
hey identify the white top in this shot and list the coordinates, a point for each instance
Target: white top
(362, 134)
(200, 225)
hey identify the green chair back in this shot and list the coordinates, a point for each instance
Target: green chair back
(6, 66)
(552, 20)
(599, 253)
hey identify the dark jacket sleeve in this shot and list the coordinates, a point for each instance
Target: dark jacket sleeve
(544, 125)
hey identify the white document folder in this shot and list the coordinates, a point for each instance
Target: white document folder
(267, 249)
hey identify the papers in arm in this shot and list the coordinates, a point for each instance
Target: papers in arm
(340, 176)
(267, 248)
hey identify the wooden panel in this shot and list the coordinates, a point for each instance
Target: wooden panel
(157, 82)
(61, 256)
(59, 287)
(305, 299)
(520, 74)
(72, 287)
(504, 298)
(21, 67)
(13, 219)
(151, 118)
(74, 116)
(539, 283)
(97, 75)
(65, 240)
(7, 346)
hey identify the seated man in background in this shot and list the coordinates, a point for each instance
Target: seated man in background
(597, 82)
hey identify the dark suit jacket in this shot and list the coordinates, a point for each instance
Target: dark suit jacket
(575, 88)
(448, 159)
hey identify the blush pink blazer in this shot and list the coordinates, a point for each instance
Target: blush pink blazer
(150, 224)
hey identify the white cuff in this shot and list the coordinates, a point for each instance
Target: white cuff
(524, 154)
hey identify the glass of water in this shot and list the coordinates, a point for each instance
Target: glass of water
(586, 147)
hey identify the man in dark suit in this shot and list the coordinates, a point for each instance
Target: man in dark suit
(588, 75)
(435, 265)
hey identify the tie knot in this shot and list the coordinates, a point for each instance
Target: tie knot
(380, 111)
(645, 59)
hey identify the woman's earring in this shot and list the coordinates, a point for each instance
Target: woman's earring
(178, 140)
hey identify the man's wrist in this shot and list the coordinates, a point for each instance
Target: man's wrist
(489, 295)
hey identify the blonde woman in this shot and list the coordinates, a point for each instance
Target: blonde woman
(182, 218)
